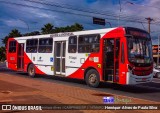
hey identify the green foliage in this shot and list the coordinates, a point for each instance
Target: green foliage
(32, 33)
(4, 40)
(13, 33)
(72, 28)
(2, 53)
(47, 29)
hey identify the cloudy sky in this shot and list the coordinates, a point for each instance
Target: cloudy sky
(31, 15)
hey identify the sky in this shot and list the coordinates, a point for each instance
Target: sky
(32, 15)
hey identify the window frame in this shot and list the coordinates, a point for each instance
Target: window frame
(44, 46)
(32, 46)
(12, 46)
(72, 49)
(87, 42)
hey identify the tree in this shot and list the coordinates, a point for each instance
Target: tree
(47, 29)
(13, 33)
(76, 27)
(4, 40)
(32, 33)
(72, 28)
(2, 53)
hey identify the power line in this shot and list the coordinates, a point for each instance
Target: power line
(98, 13)
(127, 18)
(66, 12)
(61, 11)
(83, 10)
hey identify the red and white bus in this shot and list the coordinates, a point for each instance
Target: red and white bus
(121, 55)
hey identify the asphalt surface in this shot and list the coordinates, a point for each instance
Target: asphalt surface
(147, 91)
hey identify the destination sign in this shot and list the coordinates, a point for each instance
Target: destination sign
(62, 34)
(139, 34)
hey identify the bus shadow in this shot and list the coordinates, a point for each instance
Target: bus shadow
(63, 79)
(3, 69)
(141, 88)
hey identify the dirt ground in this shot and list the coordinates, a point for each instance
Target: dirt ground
(25, 90)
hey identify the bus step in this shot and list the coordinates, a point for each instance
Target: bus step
(60, 75)
(19, 70)
(109, 72)
(109, 68)
(110, 77)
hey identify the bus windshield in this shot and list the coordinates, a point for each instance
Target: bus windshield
(139, 49)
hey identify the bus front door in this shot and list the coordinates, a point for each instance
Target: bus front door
(20, 58)
(111, 60)
(59, 55)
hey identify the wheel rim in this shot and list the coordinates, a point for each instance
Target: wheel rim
(92, 79)
(158, 75)
(32, 71)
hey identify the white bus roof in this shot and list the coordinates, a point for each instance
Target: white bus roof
(67, 34)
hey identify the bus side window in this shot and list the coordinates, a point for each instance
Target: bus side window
(31, 46)
(12, 46)
(45, 45)
(72, 44)
(88, 43)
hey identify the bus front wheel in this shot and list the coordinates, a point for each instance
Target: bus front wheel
(31, 70)
(92, 78)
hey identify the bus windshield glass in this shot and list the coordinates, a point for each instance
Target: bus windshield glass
(139, 49)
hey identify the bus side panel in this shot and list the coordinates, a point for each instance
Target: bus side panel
(74, 62)
(12, 56)
(83, 61)
(93, 61)
(78, 63)
(12, 59)
(96, 60)
(123, 66)
(45, 62)
(28, 61)
(119, 33)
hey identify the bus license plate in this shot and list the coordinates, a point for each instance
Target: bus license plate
(144, 79)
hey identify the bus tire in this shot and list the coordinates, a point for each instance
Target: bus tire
(92, 78)
(157, 75)
(31, 70)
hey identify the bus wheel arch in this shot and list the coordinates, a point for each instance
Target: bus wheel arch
(92, 77)
(31, 70)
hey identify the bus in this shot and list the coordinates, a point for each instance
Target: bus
(121, 55)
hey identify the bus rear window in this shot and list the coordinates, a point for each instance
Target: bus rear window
(12, 46)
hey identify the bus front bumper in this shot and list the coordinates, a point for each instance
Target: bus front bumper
(134, 79)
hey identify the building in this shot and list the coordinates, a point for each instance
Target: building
(155, 52)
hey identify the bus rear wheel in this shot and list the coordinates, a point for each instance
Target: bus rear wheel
(31, 70)
(157, 75)
(92, 78)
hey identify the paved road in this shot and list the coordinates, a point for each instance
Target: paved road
(148, 91)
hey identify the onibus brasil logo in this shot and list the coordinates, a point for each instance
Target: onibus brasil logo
(116, 99)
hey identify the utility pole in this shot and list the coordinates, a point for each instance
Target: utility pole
(149, 22)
